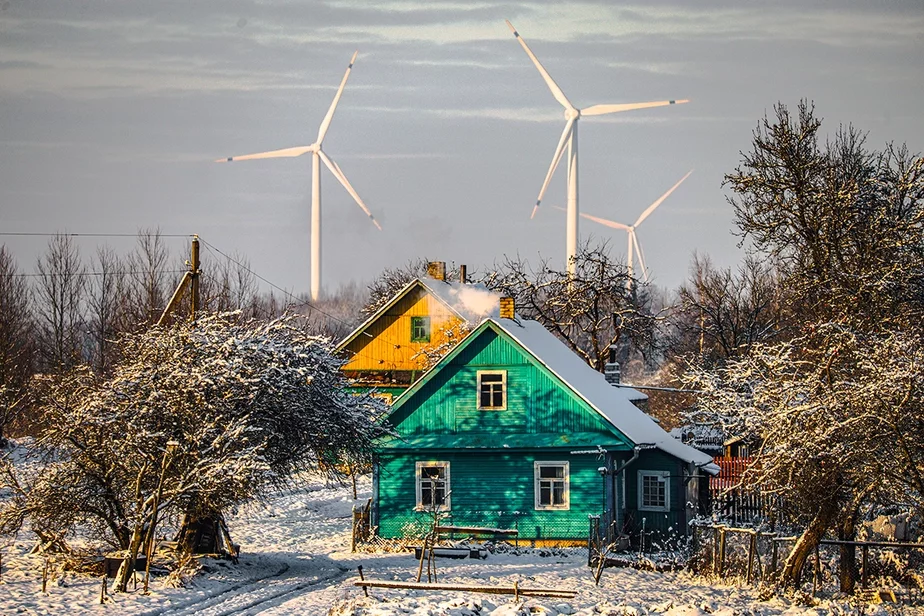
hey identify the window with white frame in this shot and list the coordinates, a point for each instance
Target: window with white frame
(552, 485)
(492, 390)
(654, 491)
(433, 486)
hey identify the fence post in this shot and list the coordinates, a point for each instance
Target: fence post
(773, 557)
(721, 552)
(752, 547)
(593, 537)
(865, 569)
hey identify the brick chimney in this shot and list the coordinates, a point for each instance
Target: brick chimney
(506, 308)
(611, 368)
(437, 270)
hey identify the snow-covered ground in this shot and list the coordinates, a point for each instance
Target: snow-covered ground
(296, 560)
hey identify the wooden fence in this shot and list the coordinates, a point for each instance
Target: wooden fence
(733, 503)
(751, 556)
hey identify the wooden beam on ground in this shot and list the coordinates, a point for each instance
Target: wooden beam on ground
(477, 530)
(492, 590)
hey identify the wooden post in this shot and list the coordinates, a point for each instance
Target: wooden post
(864, 571)
(752, 547)
(194, 277)
(365, 588)
(516, 590)
(816, 573)
(773, 557)
(102, 591)
(353, 536)
(45, 576)
(721, 567)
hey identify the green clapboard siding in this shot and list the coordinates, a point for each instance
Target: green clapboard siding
(536, 402)
(660, 522)
(493, 489)
(491, 452)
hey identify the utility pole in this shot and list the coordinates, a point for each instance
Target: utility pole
(194, 277)
(191, 276)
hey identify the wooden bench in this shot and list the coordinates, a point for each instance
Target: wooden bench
(470, 532)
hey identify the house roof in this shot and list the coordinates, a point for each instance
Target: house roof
(471, 302)
(614, 404)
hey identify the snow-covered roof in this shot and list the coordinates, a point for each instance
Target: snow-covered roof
(472, 302)
(613, 403)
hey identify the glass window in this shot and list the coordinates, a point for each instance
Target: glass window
(552, 485)
(653, 491)
(432, 485)
(420, 329)
(492, 390)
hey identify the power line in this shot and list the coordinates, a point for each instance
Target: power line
(298, 301)
(37, 275)
(45, 234)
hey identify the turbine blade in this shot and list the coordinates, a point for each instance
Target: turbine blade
(556, 91)
(603, 109)
(559, 150)
(333, 106)
(285, 153)
(651, 208)
(607, 223)
(641, 255)
(335, 169)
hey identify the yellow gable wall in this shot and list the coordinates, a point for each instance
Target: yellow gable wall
(390, 347)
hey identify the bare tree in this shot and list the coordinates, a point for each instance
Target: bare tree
(15, 340)
(106, 303)
(723, 312)
(59, 305)
(150, 285)
(590, 311)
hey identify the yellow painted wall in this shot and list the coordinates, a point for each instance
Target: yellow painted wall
(390, 347)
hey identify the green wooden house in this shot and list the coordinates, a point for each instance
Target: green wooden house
(512, 429)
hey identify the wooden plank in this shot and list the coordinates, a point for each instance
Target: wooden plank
(492, 590)
(477, 530)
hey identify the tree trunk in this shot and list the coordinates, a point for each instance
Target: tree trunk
(847, 531)
(128, 567)
(805, 545)
(203, 534)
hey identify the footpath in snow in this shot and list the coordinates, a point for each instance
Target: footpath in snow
(296, 560)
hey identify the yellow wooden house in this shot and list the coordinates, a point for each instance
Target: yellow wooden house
(413, 330)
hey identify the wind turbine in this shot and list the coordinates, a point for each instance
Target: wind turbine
(317, 156)
(570, 137)
(630, 230)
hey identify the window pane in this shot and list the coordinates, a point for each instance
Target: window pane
(554, 472)
(492, 378)
(558, 493)
(498, 398)
(545, 494)
(432, 472)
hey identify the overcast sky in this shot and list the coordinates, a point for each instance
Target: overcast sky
(111, 113)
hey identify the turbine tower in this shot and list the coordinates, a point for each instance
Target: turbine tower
(569, 137)
(634, 246)
(317, 157)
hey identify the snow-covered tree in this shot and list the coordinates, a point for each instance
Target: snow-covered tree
(840, 418)
(196, 418)
(838, 404)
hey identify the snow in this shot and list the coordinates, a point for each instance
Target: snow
(613, 403)
(296, 560)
